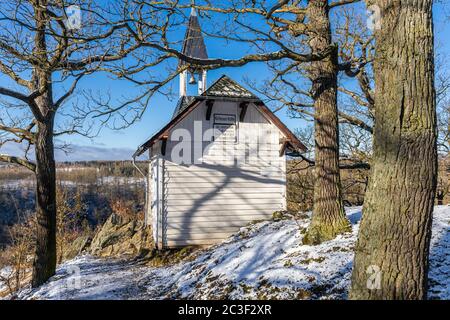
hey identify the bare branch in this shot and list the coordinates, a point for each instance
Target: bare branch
(23, 134)
(19, 161)
(341, 3)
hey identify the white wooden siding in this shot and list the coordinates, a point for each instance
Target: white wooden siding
(227, 188)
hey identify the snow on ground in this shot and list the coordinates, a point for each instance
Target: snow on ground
(119, 180)
(439, 275)
(17, 184)
(4, 272)
(108, 180)
(265, 260)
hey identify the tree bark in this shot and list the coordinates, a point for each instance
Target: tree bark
(328, 219)
(391, 255)
(44, 265)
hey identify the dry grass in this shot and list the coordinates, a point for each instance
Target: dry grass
(11, 173)
(18, 256)
(300, 186)
(126, 210)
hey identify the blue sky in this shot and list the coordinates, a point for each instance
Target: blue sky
(113, 144)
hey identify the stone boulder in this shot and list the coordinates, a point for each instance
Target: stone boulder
(121, 236)
(77, 247)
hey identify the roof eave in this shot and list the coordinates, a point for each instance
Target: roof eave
(291, 138)
(148, 144)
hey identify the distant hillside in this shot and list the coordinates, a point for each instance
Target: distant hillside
(100, 183)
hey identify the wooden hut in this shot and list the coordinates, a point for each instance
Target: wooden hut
(220, 162)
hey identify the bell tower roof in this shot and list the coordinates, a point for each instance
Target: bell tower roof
(194, 44)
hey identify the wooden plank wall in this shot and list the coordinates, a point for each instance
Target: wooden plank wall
(233, 185)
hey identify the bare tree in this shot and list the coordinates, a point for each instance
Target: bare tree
(443, 105)
(351, 54)
(394, 237)
(45, 59)
(328, 217)
(297, 37)
(45, 54)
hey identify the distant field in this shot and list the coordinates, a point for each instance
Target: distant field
(83, 172)
(99, 183)
(10, 173)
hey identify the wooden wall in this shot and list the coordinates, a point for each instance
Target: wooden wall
(227, 187)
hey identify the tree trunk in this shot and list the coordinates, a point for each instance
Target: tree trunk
(391, 255)
(44, 265)
(328, 219)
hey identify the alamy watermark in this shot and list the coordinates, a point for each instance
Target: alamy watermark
(374, 279)
(374, 17)
(221, 142)
(73, 20)
(70, 283)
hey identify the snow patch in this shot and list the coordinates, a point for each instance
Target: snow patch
(265, 260)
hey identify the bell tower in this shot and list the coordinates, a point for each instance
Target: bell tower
(194, 47)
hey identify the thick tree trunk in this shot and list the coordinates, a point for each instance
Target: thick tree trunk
(44, 265)
(391, 260)
(328, 219)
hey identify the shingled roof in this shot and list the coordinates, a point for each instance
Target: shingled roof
(194, 45)
(224, 87)
(228, 88)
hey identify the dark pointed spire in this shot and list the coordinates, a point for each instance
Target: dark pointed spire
(194, 44)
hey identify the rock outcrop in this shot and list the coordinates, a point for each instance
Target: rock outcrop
(121, 236)
(77, 247)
